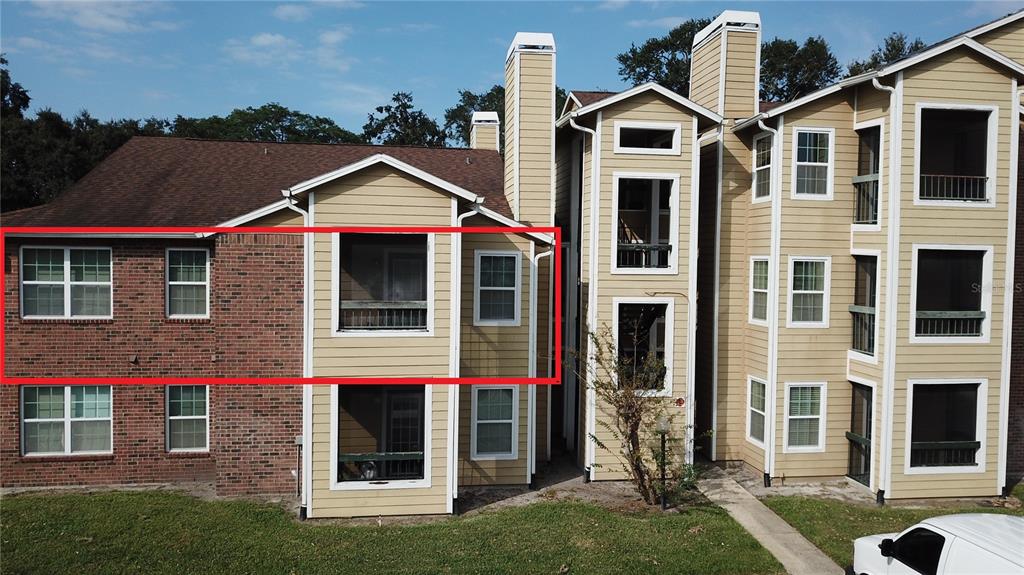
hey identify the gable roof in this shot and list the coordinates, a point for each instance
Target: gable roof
(163, 181)
(600, 103)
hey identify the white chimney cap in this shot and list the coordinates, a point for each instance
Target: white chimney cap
(485, 117)
(532, 42)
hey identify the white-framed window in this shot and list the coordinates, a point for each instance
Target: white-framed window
(809, 283)
(188, 418)
(66, 419)
(813, 158)
(805, 417)
(951, 294)
(188, 282)
(955, 154)
(66, 282)
(650, 138)
(642, 332)
(645, 217)
(946, 426)
(496, 287)
(756, 393)
(759, 290)
(495, 429)
(762, 171)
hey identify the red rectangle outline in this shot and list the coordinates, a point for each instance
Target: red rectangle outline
(48, 231)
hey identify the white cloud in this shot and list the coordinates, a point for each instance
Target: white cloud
(410, 27)
(347, 97)
(665, 22)
(612, 5)
(36, 47)
(328, 52)
(104, 17)
(292, 12)
(265, 49)
(335, 36)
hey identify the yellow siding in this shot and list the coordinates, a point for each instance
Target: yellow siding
(1008, 40)
(536, 143)
(741, 73)
(484, 137)
(705, 73)
(511, 124)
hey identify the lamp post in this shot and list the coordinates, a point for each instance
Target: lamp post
(662, 427)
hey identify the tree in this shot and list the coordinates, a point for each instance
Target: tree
(269, 123)
(664, 60)
(458, 119)
(789, 71)
(398, 124)
(894, 47)
(15, 99)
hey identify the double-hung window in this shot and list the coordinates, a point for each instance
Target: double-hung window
(759, 290)
(812, 163)
(66, 283)
(497, 276)
(805, 417)
(755, 410)
(188, 283)
(809, 291)
(762, 166)
(495, 409)
(66, 419)
(188, 418)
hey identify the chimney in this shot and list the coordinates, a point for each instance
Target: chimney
(530, 127)
(733, 89)
(483, 133)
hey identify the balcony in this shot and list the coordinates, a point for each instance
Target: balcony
(863, 329)
(949, 290)
(382, 283)
(643, 255)
(954, 188)
(646, 225)
(953, 163)
(944, 453)
(866, 209)
(368, 314)
(950, 323)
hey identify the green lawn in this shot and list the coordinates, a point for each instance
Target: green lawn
(833, 525)
(159, 532)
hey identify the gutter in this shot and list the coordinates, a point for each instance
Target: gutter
(773, 309)
(531, 368)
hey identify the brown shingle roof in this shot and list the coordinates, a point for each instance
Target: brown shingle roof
(588, 98)
(161, 181)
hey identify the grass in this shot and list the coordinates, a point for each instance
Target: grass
(159, 532)
(833, 525)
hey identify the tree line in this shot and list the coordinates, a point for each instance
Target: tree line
(43, 154)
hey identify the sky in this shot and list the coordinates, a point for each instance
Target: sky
(342, 58)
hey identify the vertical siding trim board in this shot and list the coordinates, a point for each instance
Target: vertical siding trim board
(552, 142)
(1011, 243)
(880, 124)
(673, 236)
(595, 202)
(519, 147)
(981, 427)
(873, 477)
(723, 52)
(691, 299)
(992, 153)
(986, 295)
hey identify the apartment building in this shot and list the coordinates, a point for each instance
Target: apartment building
(828, 283)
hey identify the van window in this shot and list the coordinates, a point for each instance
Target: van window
(920, 550)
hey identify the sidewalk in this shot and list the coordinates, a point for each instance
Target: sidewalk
(798, 555)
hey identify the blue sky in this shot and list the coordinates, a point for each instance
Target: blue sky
(342, 58)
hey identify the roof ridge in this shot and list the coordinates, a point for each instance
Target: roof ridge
(346, 144)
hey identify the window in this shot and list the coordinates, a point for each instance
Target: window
(762, 166)
(66, 282)
(69, 419)
(658, 138)
(188, 283)
(643, 331)
(946, 426)
(495, 409)
(384, 283)
(812, 171)
(866, 181)
(755, 410)
(497, 277)
(382, 433)
(952, 294)
(863, 308)
(809, 293)
(644, 213)
(920, 549)
(955, 154)
(858, 465)
(805, 417)
(759, 290)
(188, 418)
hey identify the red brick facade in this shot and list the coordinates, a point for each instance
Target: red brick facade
(254, 330)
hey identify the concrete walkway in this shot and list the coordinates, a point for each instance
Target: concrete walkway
(798, 555)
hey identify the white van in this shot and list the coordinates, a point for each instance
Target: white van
(970, 543)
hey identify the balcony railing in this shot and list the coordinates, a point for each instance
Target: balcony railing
(643, 255)
(383, 315)
(380, 466)
(858, 458)
(863, 329)
(943, 453)
(954, 188)
(866, 209)
(949, 323)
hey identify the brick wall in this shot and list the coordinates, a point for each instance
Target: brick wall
(1015, 437)
(255, 330)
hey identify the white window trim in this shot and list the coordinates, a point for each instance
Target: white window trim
(669, 337)
(822, 419)
(673, 237)
(336, 295)
(375, 484)
(676, 127)
(830, 165)
(980, 431)
(752, 290)
(755, 171)
(882, 187)
(825, 307)
(474, 454)
(991, 153)
(67, 282)
(986, 295)
(168, 283)
(750, 381)
(517, 319)
(850, 353)
(67, 419)
(168, 418)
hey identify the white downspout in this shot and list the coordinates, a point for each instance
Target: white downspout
(456, 337)
(305, 479)
(531, 368)
(773, 308)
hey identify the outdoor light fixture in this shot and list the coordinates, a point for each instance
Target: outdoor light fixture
(662, 427)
